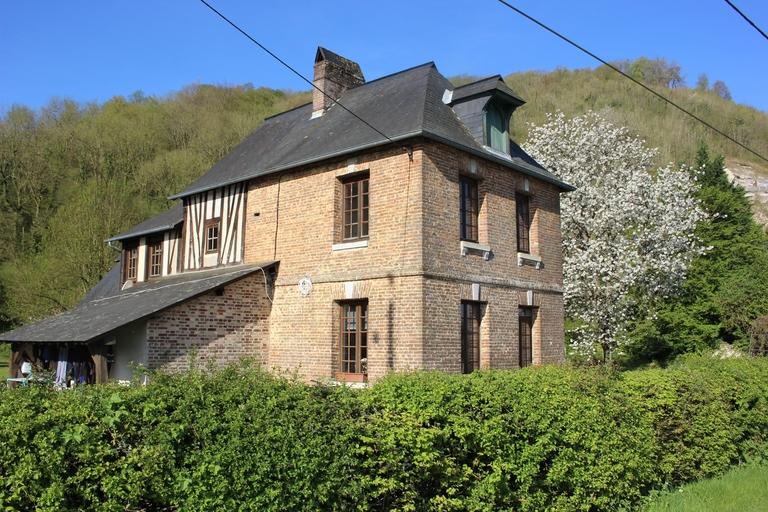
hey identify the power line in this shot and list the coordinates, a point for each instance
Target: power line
(292, 69)
(746, 18)
(625, 75)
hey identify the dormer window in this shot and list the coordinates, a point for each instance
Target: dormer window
(130, 261)
(155, 257)
(496, 134)
(212, 235)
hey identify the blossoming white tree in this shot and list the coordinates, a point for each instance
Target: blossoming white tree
(628, 229)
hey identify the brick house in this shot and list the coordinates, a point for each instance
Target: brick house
(322, 247)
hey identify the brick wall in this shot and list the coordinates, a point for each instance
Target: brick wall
(412, 272)
(497, 187)
(219, 328)
(304, 331)
(499, 337)
(308, 222)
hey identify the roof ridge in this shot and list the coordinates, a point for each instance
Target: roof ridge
(426, 97)
(463, 127)
(412, 68)
(497, 76)
(286, 111)
(430, 63)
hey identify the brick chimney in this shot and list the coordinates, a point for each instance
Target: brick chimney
(333, 75)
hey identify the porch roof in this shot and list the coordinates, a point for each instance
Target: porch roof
(98, 315)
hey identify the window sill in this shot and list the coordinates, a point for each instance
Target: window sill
(351, 378)
(466, 247)
(345, 246)
(496, 152)
(524, 258)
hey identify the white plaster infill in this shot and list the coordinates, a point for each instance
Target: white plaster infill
(467, 247)
(345, 246)
(531, 259)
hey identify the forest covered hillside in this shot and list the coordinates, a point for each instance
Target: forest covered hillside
(72, 175)
(676, 135)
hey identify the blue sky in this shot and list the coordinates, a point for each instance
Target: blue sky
(91, 51)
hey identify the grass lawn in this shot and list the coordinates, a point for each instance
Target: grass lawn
(743, 489)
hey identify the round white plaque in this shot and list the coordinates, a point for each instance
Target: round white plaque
(305, 286)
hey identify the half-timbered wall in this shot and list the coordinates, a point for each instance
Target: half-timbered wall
(224, 203)
(171, 246)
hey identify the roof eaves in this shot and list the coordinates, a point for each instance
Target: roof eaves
(520, 166)
(157, 229)
(101, 333)
(299, 163)
(260, 266)
(499, 86)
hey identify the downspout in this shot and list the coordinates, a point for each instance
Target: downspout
(277, 215)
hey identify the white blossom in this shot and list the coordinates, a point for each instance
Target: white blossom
(628, 229)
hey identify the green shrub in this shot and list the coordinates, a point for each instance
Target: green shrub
(549, 438)
(529, 440)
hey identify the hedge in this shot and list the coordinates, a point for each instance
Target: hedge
(548, 438)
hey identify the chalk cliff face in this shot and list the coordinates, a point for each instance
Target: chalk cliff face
(754, 179)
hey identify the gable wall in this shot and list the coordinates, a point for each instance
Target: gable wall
(295, 218)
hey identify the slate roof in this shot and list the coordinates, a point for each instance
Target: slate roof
(166, 220)
(110, 308)
(403, 105)
(108, 286)
(491, 84)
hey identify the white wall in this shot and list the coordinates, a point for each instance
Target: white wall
(141, 265)
(131, 347)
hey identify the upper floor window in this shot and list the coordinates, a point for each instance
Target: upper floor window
(212, 233)
(356, 208)
(523, 223)
(155, 255)
(468, 206)
(470, 336)
(130, 261)
(496, 135)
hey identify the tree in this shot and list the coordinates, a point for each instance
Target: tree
(727, 288)
(721, 89)
(655, 72)
(702, 84)
(628, 229)
(72, 175)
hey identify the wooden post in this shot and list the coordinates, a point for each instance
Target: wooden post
(99, 356)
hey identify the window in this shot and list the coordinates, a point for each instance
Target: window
(354, 338)
(356, 208)
(526, 336)
(523, 223)
(496, 129)
(470, 336)
(468, 204)
(212, 235)
(130, 261)
(155, 254)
